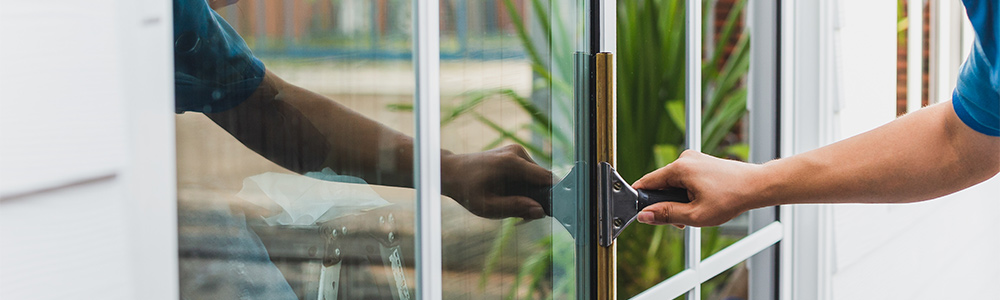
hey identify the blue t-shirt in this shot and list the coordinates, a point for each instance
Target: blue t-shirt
(977, 95)
(214, 69)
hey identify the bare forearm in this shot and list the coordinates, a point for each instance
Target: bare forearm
(304, 131)
(358, 146)
(924, 155)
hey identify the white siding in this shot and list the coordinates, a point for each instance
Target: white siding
(943, 249)
(86, 152)
(71, 243)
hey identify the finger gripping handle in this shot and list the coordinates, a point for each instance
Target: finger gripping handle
(650, 197)
(544, 198)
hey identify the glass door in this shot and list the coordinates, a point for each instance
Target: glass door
(308, 135)
(303, 187)
(515, 82)
(695, 76)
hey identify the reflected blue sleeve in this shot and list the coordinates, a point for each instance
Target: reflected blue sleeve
(214, 69)
(977, 94)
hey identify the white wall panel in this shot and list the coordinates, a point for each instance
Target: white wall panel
(867, 56)
(942, 249)
(61, 107)
(86, 150)
(71, 243)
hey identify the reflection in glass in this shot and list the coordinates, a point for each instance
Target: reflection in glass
(295, 156)
(508, 73)
(302, 189)
(651, 88)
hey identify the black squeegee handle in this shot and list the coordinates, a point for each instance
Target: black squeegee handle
(650, 197)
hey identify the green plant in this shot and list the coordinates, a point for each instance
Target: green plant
(651, 90)
(902, 22)
(544, 273)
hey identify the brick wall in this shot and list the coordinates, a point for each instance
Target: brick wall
(901, 54)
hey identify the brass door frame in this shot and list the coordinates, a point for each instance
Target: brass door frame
(606, 140)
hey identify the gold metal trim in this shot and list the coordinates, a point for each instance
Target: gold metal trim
(605, 89)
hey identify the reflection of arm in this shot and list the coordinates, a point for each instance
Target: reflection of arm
(923, 155)
(216, 73)
(304, 131)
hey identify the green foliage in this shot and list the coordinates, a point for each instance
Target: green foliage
(651, 92)
(651, 122)
(902, 21)
(651, 83)
(543, 274)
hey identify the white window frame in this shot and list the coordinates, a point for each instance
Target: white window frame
(427, 171)
(149, 174)
(914, 54)
(951, 42)
(804, 259)
(944, 58)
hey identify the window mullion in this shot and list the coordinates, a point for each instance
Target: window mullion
(692, 101)
(427, 169)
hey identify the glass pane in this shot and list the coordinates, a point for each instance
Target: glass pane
(729, 285)
(651, 89)
(303, 188)
(510, 106)
(726, 94)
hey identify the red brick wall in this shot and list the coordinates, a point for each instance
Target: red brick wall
(722, 9)
(901, 54)
(719, 16)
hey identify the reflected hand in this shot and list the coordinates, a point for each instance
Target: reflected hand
(494, 184)
(719, 189)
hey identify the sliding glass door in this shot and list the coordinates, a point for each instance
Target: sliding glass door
(393, 149)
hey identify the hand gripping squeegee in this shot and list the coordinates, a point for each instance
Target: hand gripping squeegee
(619, 202)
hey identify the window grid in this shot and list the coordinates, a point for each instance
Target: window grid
(692, 104)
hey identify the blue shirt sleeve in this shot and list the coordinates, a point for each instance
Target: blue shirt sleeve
(214, 69)
(977, 95)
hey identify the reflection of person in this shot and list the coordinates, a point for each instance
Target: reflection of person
(926, 154)
(216, 74)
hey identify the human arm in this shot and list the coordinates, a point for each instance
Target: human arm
(304, 131)
(216, 73)
(920, 156)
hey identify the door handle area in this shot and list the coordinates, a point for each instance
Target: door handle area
(619, 202)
